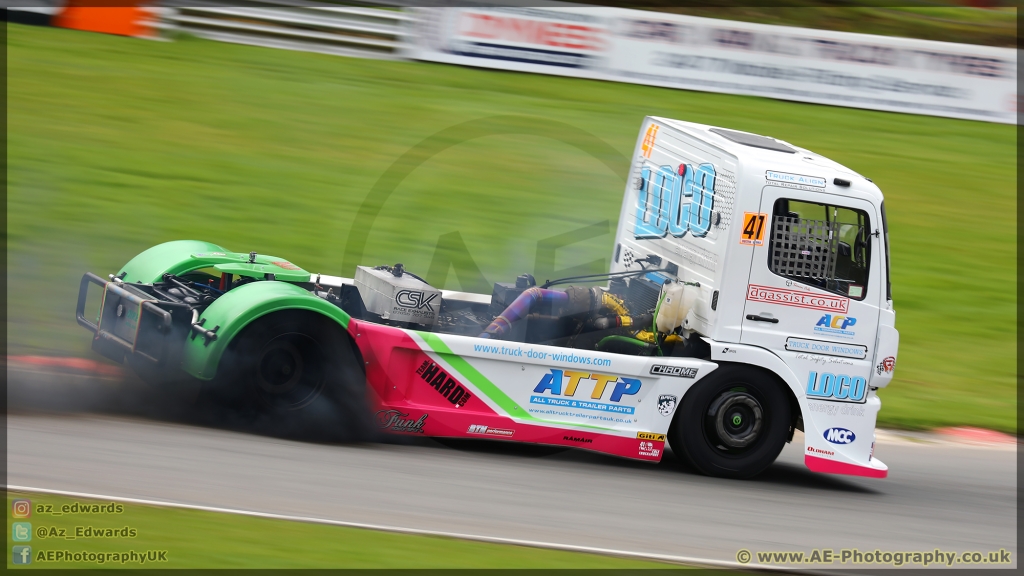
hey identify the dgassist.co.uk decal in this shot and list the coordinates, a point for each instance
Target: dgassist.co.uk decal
(573, 392)
(797, 298)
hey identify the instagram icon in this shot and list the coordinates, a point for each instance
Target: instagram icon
(21, 508)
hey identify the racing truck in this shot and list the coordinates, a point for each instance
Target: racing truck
(748, 296)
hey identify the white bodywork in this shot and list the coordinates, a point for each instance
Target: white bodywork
(815, 340)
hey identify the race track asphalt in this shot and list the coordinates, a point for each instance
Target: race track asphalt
(947, 496)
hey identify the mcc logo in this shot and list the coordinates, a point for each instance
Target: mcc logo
(839, 436)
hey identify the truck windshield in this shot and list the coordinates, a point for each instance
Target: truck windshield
(822, 245)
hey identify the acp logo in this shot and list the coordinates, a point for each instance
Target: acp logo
(835, 324)
(675, 201)
(840, 436)
(414, 299)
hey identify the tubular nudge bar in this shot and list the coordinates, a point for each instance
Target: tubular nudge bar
(83, 293)
(114, 328)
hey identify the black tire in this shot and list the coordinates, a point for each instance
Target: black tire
(732, 424)
(294, 374)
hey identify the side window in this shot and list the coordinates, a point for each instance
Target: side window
(820, 244)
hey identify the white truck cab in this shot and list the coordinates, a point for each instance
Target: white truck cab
(788, 252)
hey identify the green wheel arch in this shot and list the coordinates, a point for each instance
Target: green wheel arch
(170, 257)
(235, 310)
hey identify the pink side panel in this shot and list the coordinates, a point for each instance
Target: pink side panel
(401, 395)
(817, 464)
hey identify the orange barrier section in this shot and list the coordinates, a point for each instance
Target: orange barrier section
(124, 20)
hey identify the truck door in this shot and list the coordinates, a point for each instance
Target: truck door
(815, 286)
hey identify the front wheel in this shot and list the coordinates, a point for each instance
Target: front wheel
(733, 424)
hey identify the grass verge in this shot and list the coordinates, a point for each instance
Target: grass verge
(200, 539)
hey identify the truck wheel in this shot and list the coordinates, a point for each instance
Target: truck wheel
(295, 374)
(733, 424)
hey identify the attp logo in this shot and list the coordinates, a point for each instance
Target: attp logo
(558, 388)
(555, 382)
(21, 531)
(21, 508)
(840, 436)
(21, 555)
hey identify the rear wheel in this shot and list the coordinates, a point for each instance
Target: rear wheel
(732, 424)
(295, 374)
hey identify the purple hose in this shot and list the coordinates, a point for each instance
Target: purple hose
(520, 307)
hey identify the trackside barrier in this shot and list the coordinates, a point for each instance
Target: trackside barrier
(367, 32)
(711, 55)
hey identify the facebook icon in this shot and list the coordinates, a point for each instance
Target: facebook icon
(22, 555)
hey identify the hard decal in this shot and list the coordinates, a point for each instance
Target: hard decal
(447, 386)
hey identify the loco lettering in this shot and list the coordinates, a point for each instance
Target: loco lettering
(837, 387)
(675, 201)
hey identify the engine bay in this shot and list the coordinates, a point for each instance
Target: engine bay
(640, 313)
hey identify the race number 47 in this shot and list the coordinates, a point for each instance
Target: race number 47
(752, 233)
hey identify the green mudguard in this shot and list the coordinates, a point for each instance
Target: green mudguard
(232, 312)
